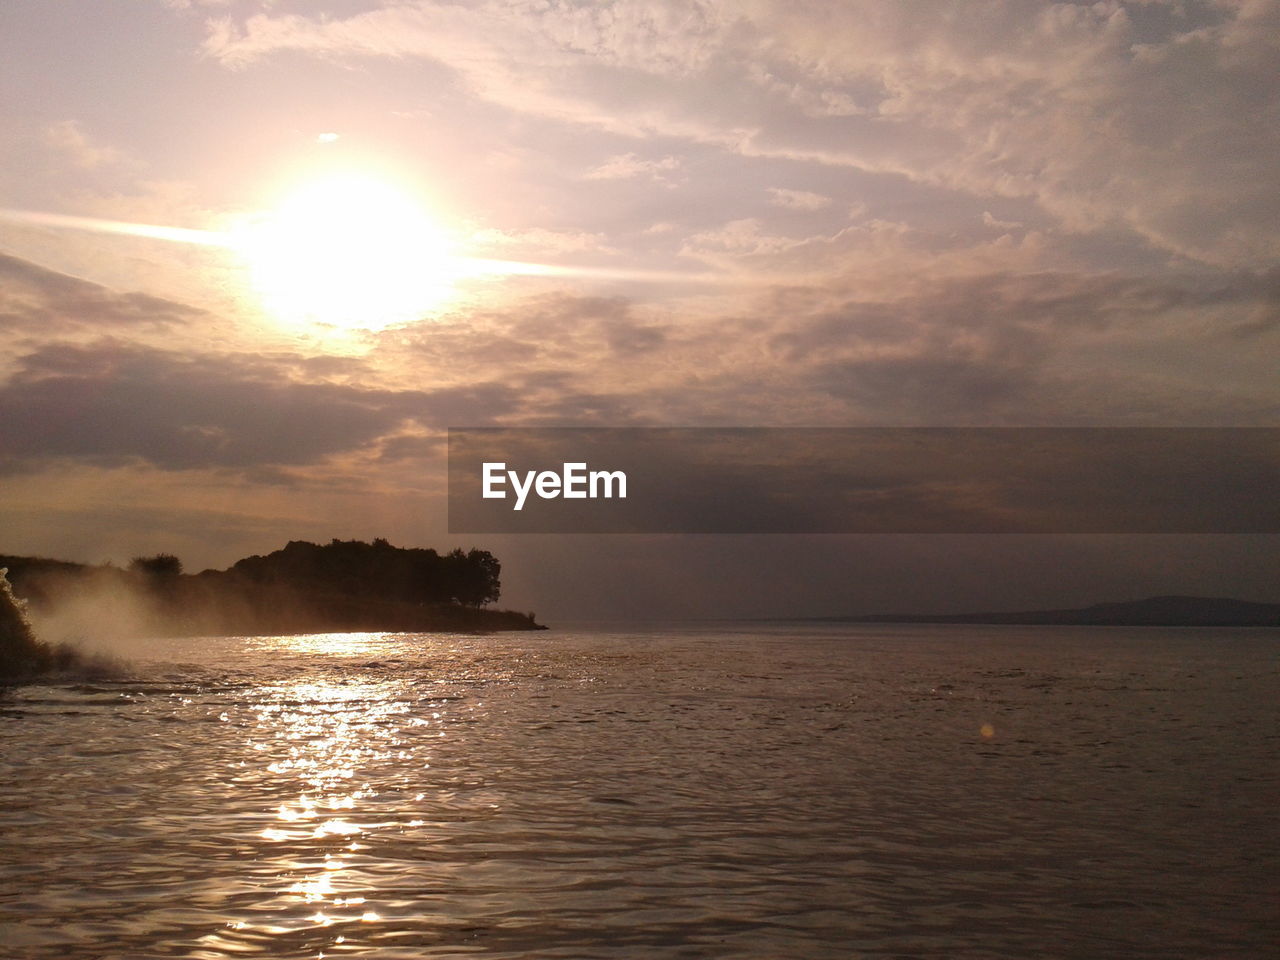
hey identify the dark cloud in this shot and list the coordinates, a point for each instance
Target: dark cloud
(982, 347)
(1037, 348)
(971, 347)
(1040, 305)
(607, 326)
(112, 402)
(36, 299)
(927, 387)
(1265, 316)
(553, 329)
(410, 447)
(579, 407)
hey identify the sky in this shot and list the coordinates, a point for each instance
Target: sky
(257, 256)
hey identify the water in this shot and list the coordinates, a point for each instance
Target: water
(744, 791)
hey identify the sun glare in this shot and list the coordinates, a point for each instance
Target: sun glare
(350, 252)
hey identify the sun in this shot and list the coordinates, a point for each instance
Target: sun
(351, 252)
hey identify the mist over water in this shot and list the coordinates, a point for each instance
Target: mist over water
(705, 791)
(105, 620)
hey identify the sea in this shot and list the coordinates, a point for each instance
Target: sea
(666, 790)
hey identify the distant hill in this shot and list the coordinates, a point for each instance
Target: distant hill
(1151, 612)
(341, 586)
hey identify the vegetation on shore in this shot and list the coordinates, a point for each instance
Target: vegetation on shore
(302, 588)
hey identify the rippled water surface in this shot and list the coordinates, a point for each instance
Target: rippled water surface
(707, 791)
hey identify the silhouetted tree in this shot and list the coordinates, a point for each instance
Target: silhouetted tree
(161, 565)
(472, 578)
(485, 584)
(379, 571)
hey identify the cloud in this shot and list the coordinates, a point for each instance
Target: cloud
(941, 338)
(737, 238)
(70, 141)
(569, 336)
(797, 199)
(747, 244)
(36, 299)
(1105, 115)
(1163, 128)
(939, 341)
(990, 221)
(628, 166)
(189, 4)
(534, 243)
(111, 402)
(1038, 348)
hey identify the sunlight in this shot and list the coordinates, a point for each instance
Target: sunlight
(350, 251)
(337, 644)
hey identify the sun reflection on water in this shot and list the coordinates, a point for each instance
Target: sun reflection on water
(338, 644)
(320, 746)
